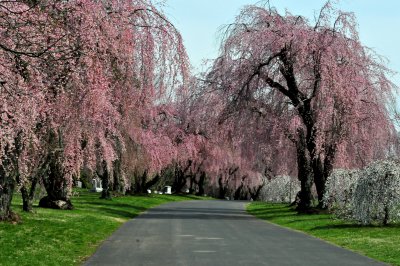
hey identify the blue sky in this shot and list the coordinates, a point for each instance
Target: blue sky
(199, 21)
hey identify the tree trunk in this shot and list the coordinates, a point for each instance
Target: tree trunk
(319, 179)
(139, 186)
(105, 182)
(58, 191)
(304, 174)
(27, 203)
(192, 183)
(118, 182)
(255, 192)
(7, 185)
(238, 193)
(179, 180)
(151, 183)
(222, 189)
(28, 195)
(201, 184)
(322, 172)
(9, 175)
(139, 182)
(57, 188)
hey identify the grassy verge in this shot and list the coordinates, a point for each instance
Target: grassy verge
(381, 243)
(54, 237)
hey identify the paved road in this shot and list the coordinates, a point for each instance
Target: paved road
(214, 233)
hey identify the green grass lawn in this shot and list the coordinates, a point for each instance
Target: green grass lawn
(55, 237)
(381, 243)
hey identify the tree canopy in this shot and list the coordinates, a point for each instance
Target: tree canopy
(317, 83)
(105, 88)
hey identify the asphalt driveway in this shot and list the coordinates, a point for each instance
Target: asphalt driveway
(214, 233)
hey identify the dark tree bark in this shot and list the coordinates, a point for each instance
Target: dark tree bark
(9, 174)
(28, 195)
(28, 191)
(55, 184)
(319, 178)
(310, 168)
(201, 184)
(142, 184)
(238, 193)
(180, 177)
(255, 192)
(322, 170)
(118, 182)
(192, 182)
(223, 189)
(304, 174)
(105, 181)
(139, 185)
(58, 191)
(151, 183)
(27, 203)
(7, 186)
(179, 180)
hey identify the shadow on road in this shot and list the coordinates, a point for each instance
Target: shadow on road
(196, 213)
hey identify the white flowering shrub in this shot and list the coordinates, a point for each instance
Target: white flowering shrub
(281, 189)
(376, 198)
(339, 192)
(368, 196)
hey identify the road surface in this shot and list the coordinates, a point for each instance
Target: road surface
(214, 233)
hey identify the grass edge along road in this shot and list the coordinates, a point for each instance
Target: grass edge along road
(380, 243)
(55, 237)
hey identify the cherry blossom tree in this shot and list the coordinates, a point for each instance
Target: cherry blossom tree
(89, 74)
(229, 155)
(31, 42)
(327, 92)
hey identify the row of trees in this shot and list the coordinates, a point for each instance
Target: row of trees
(105, 87)
(102, 88)
(84, 84)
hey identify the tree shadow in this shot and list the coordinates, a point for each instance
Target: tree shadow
(112, 204)
(271, 212)
(196, 214)
(208, 210)
(116, 212)
(310, 220)
(355, 226)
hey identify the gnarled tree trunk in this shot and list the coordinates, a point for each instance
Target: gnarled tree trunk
(304, 174)
(7, 185)
(104, 176)
(118, 180)
(255, 192)
(322, 170)
(9, 175)
(223, 188)
(180, 178)
(54, 181)
(201, 184)
(28, 194)
(238, 192)
(57, 188)
(142, 184)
